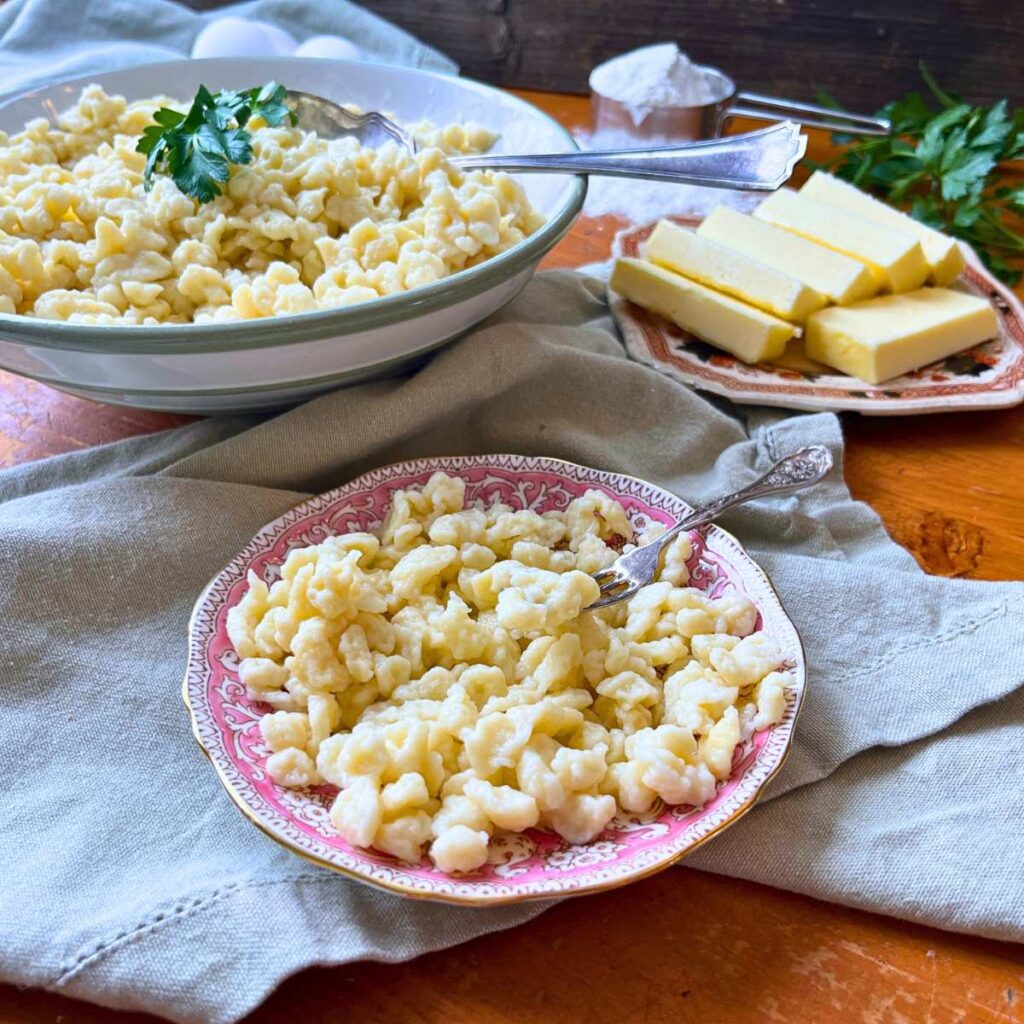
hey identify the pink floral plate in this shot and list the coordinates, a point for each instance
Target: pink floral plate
(530, 865)
(988, 376)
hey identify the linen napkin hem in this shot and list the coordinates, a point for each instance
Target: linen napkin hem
(148, 954)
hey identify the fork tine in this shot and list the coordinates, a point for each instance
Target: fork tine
(604, 575)
(609, 599)
(608, 578)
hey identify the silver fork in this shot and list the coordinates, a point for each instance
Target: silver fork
(637, 568)
(760, 161)
(332, 121)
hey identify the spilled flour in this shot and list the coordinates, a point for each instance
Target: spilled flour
(640, 201)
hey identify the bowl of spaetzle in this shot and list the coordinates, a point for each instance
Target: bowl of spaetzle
(169, 239)
(399, 680)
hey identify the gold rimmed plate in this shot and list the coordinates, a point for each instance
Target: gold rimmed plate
(530, 865)
(985, 376)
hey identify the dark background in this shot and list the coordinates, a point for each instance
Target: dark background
(864, 52)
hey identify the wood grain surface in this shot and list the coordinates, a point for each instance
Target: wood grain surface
(684, 946)
(864, 53)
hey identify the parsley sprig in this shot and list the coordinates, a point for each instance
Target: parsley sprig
(944, 165)
(197, 149)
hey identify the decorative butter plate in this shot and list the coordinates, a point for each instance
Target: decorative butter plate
(987, 376)
(529, 865)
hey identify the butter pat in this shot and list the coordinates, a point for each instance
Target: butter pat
(839, 278)
(895, 258)
(884, 337)
(942, 253)
(747, 332)
(718, 266)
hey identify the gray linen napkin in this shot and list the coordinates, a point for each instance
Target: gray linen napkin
(132, 881)
(45, 40)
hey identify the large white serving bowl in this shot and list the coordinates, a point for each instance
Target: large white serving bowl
(260, 364)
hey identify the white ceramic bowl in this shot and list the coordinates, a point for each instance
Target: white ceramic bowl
(264, 363)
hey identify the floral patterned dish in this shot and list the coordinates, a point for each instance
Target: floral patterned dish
(988, 376)
(529, 865)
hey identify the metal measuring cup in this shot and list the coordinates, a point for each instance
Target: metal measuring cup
(708, 120)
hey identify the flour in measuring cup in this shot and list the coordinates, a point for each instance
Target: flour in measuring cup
(651, 77)
(644, 80)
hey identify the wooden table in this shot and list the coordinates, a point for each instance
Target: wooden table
(682, 946)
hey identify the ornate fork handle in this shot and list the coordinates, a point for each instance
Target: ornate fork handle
(628, 573)
(792, 473)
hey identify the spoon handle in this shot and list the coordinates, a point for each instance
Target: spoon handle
(761, 160)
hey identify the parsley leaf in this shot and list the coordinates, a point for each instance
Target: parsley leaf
(229, 105)
(269, 104)
(907, 114)
(237, 145)
(995, 127)
(167, 118)
(965, 173)
(945, 165)
(198, 148)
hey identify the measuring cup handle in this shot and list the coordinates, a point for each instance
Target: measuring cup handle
(773, 108)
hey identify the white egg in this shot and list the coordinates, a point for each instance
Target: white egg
(331, 47)
(284, 42)
(241, 37)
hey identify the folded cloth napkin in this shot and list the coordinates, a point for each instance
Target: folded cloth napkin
(45, 40)
(131, 880)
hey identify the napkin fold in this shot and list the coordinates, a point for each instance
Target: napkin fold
(132, 881)
(45, 40)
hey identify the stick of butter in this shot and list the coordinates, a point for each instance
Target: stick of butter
(747, 332)
(895, 258)
(836, 276)
(884, 337)
(945, 259)
(718, 266)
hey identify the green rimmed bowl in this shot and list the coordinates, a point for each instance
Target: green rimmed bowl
(249, 365)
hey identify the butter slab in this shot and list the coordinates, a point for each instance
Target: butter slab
(895, 258)
(836, 276)
(890, 335)
(743, 330)
(795, 358)
(732, 272)
(943, 254)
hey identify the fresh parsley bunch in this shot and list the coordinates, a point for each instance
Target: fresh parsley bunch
(945, 165)
(196, 149)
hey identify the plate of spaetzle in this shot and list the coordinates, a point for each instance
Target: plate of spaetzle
(399, 680)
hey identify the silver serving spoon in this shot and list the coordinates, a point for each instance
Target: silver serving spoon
(761, 160)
